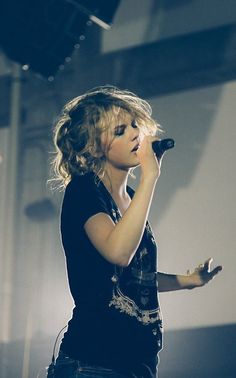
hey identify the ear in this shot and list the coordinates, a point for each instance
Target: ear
(97, 150)
(99, 154)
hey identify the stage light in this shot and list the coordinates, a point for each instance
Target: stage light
(25, 67)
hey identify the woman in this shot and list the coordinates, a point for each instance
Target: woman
(111, 254)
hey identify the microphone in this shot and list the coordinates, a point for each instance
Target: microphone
(160, 146)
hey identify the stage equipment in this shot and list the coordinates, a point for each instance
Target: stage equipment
(42, 35)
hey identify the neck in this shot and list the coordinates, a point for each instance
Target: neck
(115, 181)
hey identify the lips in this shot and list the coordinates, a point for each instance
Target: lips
(135, 147)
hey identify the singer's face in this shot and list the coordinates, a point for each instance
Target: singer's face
(120, 141)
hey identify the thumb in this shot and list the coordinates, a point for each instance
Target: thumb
(207, 264)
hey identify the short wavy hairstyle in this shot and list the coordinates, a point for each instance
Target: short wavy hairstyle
(77, 131)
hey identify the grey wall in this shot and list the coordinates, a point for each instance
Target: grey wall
(138, 22)
(194, 208)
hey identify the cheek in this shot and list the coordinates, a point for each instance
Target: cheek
(116, 150)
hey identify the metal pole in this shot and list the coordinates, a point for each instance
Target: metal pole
(10, 212)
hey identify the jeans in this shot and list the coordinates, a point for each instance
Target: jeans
(67, 367)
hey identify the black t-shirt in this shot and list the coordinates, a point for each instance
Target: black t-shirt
(116, 320)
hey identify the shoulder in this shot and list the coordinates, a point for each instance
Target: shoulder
(84, 184)
(81, 180)
(85, 194)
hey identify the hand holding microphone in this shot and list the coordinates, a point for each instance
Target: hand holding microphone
(151, 163)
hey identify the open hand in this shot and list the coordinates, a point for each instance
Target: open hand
(203, 274)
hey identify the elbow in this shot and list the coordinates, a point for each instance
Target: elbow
(123, 261)
(118, 257)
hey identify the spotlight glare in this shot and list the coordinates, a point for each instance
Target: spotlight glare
(25, 67)
(68, 59)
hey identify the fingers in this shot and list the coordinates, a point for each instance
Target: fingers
(200, 267)
(207, 264)
(206, 268)
(148, 161)
(206, 272)
(215, 271)
(159, 155)
(147, 141)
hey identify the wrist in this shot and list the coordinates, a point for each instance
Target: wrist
(148, 178)
(186, 282)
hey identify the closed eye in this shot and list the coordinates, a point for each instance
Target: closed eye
(119, 130)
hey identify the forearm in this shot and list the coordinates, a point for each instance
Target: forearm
(127, 234)
(173, 282)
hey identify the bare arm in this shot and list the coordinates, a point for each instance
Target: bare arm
(119, 242)
(200, 276)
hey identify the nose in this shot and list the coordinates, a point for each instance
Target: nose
(134, 132)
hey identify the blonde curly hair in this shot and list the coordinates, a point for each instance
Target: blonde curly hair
(77, 132)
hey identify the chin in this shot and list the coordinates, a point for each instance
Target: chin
(135, 165)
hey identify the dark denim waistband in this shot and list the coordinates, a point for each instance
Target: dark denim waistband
(75, 367)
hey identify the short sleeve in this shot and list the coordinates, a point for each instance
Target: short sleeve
(83, 198)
